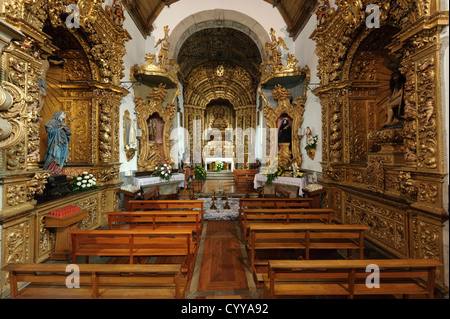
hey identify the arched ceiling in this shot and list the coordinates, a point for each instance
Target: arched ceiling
(204, 84)
(219, 45)
(294, 12)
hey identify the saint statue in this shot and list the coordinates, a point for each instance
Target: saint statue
(58, 143)
(156, 132)
(132, 135)
(393, 106)
(285, 130)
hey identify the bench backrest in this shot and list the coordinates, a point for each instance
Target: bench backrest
(96, 276)
(155, 218)
(354, 273)
(131, 239)
(147, 205)
(285, 215)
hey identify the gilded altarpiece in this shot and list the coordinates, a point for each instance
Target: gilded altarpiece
(388, 177)
(88, 91)
(205, 88)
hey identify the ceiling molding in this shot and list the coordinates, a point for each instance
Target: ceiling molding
(295, 13)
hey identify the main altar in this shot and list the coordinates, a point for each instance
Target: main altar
(228, 160)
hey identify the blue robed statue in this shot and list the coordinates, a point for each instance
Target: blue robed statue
(58, 143)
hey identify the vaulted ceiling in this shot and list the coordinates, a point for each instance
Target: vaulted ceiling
(294, 12)
(219, 45)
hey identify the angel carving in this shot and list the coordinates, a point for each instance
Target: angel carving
(272, 53)
(163, 52)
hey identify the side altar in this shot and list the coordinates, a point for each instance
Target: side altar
(294, 185)
(166, 187)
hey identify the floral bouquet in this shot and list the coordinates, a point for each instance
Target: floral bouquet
(311, 142)
(219, 166)
(163, 170)
(296, 172)
(200, 173)
(273, 171)
(84, 182)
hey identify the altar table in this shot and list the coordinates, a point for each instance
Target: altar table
(149, 181)
(260, 180)
(222, 159)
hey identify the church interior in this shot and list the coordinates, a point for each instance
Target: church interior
(258, 149)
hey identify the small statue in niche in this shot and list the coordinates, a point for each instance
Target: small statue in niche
(285, 130)
(58, 143)
(156, 131)
(322, 12)
(393, 106)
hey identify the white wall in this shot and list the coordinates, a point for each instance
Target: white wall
(305, 53)
(135, 54)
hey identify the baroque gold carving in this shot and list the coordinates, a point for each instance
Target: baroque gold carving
(149, 153)
(294, 110)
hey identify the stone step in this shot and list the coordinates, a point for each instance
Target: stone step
(223, 175)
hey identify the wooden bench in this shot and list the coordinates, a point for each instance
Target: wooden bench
(248, 203)
(151, 194)
(284, 216)
(133, 243)
(295, 278)
(99, 281)
(243, 179)
(170, 205)
(183, 220)
(305, 237)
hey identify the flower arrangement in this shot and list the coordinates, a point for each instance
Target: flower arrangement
(84, 182)
(200, 173)
(273, 170)
(296, 172)
(163, 170)
(311, 142)
(219, 166)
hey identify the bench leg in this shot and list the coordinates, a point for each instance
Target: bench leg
(86, 259)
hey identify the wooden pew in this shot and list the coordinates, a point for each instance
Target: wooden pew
(245, 203)
(284, 216)
(244, 178)
(99, 281)
(133, 243)
(347, 278)
(169, 205)
(305, 237)
(151, 194)
(182, 220)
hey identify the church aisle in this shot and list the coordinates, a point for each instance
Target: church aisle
(222, 267)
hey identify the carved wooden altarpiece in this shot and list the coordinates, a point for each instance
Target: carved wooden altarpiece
(389, 178)
(88, 90)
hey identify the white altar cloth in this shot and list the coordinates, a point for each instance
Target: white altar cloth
(155, 180)
(260, 180)
(222, 159)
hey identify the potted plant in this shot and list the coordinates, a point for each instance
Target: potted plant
(200, 178)
(219, 166)
(311, 145)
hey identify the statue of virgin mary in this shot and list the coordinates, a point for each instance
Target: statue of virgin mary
(58, 143)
